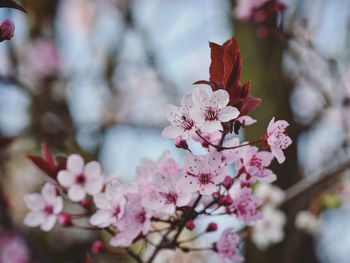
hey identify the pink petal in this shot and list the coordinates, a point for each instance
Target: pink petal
(172, 132)
(48, 223)
(92, 169)
(76, 193)
(102, 219)
(65, 178)
(211, 126)
(183, 199)
(34, 201)
(34, 219)
(228, 113)
(189, 184)
(278, 153)
(207, 189)
(270, 127)
(102, 202)
(75, 164)
(219, 99)
(94, 186)
(58, 205)
(200, 97)
(49, 192)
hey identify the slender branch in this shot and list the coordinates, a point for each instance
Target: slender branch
(312, 183)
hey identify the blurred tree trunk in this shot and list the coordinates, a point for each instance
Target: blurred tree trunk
(262, 64)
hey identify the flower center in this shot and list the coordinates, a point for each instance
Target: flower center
(204, 178)
(256, 162)
(116, 211)
(48, 210)
(211, 114)
(80, 179)
(141, 217)
(170, 198)
(187, 123)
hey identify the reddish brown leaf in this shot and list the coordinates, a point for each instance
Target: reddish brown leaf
(11, 4)
(216, 69)
(249, 104)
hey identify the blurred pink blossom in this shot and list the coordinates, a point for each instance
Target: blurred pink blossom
(7, 30)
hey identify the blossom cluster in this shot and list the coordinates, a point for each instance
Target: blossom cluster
(219, 182)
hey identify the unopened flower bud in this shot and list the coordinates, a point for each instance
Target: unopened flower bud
(190, 225)
(181, 143)
(65, 219)
(226, 200)
(85, 202)
(7, 29)
(97, 247)
(228, 182)
(212, 227)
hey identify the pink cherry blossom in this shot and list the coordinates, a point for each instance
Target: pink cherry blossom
(246, 206)
(228, 245)
(245, 8)
(135, 221)
(203, 173)
(181, 122)
(168, 194)
(253, 163)
(13, 249)
(7, 29)
(81, 179)
(246, 120)
(210, 110)
(110, 205)
(277, 138)
(45, 208)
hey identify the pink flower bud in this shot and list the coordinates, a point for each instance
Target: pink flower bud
(65, 219)
(85, 202)
(226, 200)
(228, 182)
(212, 227)
(190, 225)
(7, 29)
(181, 144)
(97, 247)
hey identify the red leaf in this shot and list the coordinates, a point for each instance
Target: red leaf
(216, 69)
(88, 259)
(11, 4)
(46, 153)
(232, 64)
(249, 104)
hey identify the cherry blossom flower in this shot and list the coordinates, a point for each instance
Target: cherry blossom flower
(270, 194)
(253, 163)
(277, 138)
(181, 122)
(136, 220)
(110, 205)
(210, 110)
(228, 245)
(169, 194)
(7, 29)
(307, 222)
(81, 179)
(203, 173)
(245, 8)
(13, 249)
(246, 205)
(269, 230)
(45, 208)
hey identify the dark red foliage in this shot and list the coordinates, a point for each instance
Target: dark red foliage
(47, 162)
(226, 73)
(11, 4)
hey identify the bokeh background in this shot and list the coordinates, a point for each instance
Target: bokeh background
(93, 77)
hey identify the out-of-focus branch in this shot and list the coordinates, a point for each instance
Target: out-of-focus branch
(314, 183)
